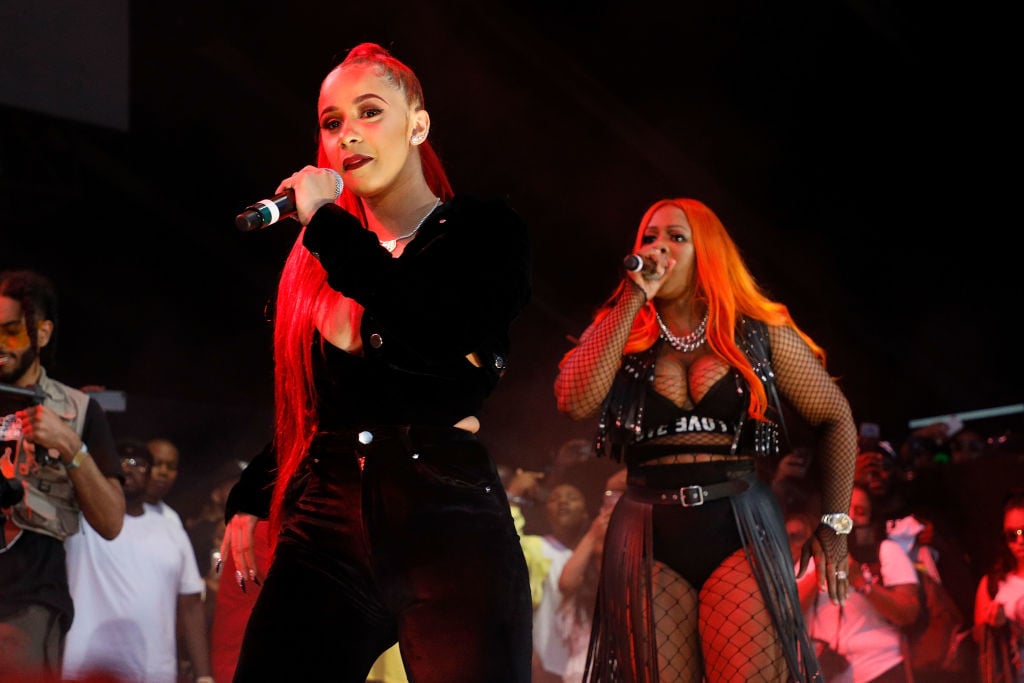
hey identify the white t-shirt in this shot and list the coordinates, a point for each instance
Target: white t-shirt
(868, 640)
(164, 509)
(125, 593)
(548, 641)
(575, 632)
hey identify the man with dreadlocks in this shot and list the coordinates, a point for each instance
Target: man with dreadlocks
(57, 457)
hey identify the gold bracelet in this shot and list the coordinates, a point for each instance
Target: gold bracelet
(204, 679)
(76, 461)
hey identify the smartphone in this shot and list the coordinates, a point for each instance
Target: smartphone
(870, 430)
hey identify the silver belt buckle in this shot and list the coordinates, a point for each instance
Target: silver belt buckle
(691, 496)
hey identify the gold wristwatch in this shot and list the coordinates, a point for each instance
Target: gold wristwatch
(839, 522)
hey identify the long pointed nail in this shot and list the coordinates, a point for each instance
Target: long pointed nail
(240, 579)
(220, 563)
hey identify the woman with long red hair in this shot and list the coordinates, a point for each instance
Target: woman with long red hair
(388, 518)
(685, 364)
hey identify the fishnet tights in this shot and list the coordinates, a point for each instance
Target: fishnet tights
(675, 626)
(734, 638)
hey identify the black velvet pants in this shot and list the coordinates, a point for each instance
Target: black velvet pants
(408, 537)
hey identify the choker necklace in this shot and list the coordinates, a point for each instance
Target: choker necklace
(690, 342)
(391, 244)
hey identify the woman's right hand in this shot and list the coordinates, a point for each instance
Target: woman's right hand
(524, 484)
(831, 561)
(599, 527)
(239, 541)
(651, 283)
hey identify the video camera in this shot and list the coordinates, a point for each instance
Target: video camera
(13, 399)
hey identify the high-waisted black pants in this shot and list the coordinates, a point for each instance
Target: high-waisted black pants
(408, 537)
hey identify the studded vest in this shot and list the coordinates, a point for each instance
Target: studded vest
(622, 420)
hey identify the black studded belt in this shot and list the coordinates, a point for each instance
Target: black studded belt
(691, 496)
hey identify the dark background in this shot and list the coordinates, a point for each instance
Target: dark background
(861, 153)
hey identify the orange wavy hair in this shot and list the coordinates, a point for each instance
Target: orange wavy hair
(303, 292)
(726, 286)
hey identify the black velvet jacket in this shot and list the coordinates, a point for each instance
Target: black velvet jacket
(455, 290)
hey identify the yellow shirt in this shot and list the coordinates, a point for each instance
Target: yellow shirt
(388, 668)
(536, 564)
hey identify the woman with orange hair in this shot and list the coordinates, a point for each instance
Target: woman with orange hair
(387, 514)
(685, 364)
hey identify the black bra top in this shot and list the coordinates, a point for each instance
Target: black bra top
(634, 415)
(716, 413)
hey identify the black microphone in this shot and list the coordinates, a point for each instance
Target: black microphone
(266, 212)
(635, 263)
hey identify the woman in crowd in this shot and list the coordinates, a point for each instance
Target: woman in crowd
(391, 328)
(999, 603)
(579, 581)
(685, 363)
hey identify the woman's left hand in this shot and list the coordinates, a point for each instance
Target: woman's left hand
(240, 544)
(832, 561)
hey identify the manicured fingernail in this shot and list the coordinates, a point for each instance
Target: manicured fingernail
(220, 563)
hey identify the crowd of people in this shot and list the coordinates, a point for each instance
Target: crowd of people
(933, 528)
(741, 526)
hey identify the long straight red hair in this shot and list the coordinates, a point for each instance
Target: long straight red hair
(303, 292)
(724, 283)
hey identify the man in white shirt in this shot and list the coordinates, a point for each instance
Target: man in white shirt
(128, 592)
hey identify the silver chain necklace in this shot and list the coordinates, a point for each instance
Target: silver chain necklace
(690, 342)
(391, 244)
